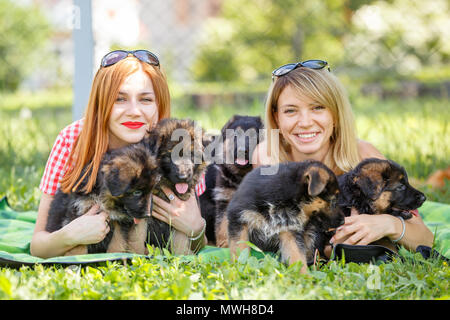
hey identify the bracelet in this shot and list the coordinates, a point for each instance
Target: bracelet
(201, 233)
(403, 231)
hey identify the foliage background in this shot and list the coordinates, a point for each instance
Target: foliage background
(23, 32)
(374, 40)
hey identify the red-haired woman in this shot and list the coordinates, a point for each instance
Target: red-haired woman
(129, 95)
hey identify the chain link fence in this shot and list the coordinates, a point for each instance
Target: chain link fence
(169, 28)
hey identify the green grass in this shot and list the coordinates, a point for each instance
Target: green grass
(414, 133)
(174, 277)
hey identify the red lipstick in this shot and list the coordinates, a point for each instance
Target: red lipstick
(132, 124)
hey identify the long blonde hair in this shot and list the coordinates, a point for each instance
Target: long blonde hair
(92, 143)
(321, 86)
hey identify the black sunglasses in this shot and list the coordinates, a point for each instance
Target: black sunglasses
(115, 56)
(311, 64)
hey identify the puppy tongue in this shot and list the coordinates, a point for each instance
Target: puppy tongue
(181, 187)
(414, 212)
(241, 162)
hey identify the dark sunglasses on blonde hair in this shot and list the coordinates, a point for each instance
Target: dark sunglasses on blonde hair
(115, 56)
(311, 64)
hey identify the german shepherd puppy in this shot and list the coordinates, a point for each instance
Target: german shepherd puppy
(288, 212)
(378, 186)
(179, 145)
(123, 187)
(222, 180)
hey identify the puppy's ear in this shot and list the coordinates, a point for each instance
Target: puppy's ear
(115, 185)
(315, 180)
(201, 137)
(371, 178)
(153, 141)
(260, 123)
(226, 125)
(118, 174)
(207, 139)
(368, 187)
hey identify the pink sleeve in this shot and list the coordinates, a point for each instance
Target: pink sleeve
(54, 167)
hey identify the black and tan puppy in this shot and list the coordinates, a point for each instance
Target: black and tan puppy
(288, 212)
(240, 135)
(179, 145)
(378, 186)
(123, 187)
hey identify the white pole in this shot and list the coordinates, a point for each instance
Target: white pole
(83, 42)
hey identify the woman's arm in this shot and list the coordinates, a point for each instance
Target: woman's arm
(367, 150)
(185, 217)
(416, 232)
(43, 243)
(364, 229)
(87, 229)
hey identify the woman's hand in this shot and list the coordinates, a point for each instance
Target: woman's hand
(92, 227)
(184, 216)
(362, 229)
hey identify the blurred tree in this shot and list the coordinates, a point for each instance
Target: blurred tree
(23, 32)
(251, 38)
(372, 39)
(216, 60)
(400, 38)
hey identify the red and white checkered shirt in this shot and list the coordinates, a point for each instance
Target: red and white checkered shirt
(54, 169)
(201, 186)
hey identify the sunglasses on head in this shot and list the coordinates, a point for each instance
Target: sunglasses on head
(115, 56)
(311, 64)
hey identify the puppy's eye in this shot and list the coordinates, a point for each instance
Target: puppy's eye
(401, 187)
(137, 193)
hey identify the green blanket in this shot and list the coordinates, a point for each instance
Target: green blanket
(16, 230)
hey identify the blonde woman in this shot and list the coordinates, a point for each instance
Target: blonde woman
(129, 96)
(308, 116)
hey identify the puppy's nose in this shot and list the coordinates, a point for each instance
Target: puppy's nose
(421, 197)
(183, 175)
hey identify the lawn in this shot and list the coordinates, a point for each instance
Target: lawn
(170, 277)
(412, 132)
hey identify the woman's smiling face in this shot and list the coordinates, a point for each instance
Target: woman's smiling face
(134, 112)
(305, 124)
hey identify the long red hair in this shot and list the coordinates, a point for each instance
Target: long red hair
(93, 141)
